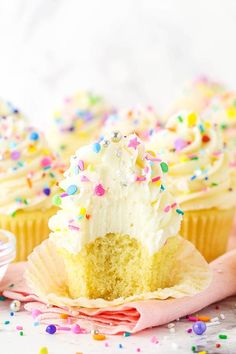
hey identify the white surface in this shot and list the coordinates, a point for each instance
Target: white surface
(68, 343)
(130, 50)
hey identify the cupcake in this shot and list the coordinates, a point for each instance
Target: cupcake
(141, 120)
(28, 177)
(77, 123)
(117, 230)
(196, 95)
(200, 179)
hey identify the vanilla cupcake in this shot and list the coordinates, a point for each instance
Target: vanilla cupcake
(195, 96)
(28, 177)
(77, 123)
(117, 230)
(141, 120)
(200, 179)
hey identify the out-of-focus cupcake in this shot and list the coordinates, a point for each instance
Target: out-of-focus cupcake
(28, 177)
(78, 122)
(200, 179)
(195, 96)
(141, 120)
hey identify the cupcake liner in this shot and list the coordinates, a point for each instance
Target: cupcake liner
(30, 229)
(46, 276)
(208, 230)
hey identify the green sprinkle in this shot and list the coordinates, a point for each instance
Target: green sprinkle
(21, 333)
(193, 349)
(194, 158)
(179, 211)
(13, 214)
(127, 334)
(6, 322)
(180, 118)
(224, 126)
(2, 298)
(62, 147)
(223, 336)
(56, 200)
(214, 184)
(164, 167)
(162, 187)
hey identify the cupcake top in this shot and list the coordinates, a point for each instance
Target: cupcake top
(141, 120)
(199, 175)
(28, 169)
(196, 95)
(78, 122)
(115, 187)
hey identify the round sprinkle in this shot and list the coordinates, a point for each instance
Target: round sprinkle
(51, 329)
(96, 147)
(47, 191)
(72, 189)
(99, 337)
(34, 136)
(15, 155)
(56, 200)
(199, 327)
(76, 329)
(164, 167)
(43, 350)
(99, 190)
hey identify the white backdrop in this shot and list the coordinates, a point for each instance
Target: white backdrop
(130, 50)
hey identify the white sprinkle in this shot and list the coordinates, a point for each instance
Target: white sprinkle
(172, 330)
(211, 324)
(222, 316)
(171, 325)
(174, 346)
(215, 319)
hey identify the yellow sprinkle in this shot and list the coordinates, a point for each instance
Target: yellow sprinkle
(99, 337)
(231, 112)
(46, 152)
(183, 158)
(63, 316)
(57, 114)
(158, 183)
(151, 152)
(43, 350)
(90, 168)
(31, 149)
(207, 124)
(82, 211)
(202, 352)
(192, 119)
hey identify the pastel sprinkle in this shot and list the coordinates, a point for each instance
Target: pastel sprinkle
(76, 329)
(180, 144)
(34, 136)
(96, 147)
(99, 190)
(164, 167)
(35, 313)
(15, 155)
(133, 143)
(19, 328)
(81, 165)
(72, 189)
(46, 162)
(56, 200)
(73, 227)
(167, 208)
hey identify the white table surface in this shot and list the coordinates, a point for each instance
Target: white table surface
(68, 343)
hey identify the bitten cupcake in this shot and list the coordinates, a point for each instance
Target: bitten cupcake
(196, 95)
(28, 177)
(141, 120)
(117, 230)
(77, 123)
(200, 179)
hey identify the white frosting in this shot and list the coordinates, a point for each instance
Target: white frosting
(137, 208)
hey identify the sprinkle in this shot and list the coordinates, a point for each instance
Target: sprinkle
(154, 340)
(84, 179)
(127, 334)
(191, 120)
(223, 336)
(7, 322)
(21, 333)
(180, 119)
(156, 179)
(81, 165)
(56, 200)
(138, 350)
(164, 167)
(47, 191)
(64, 329)
(205, 139)
(11, 314)
(46, 162)
(218, 345)
(180, 144)
(15, 155)
(171, 325)
(99, 190)
(193, 349)
(222, 316)
(192, 319)
(43, 350)
(73, 227)
(2, 298)
(36, 324)
(51, 329)
(199, 327)
(120, 346)
(64, 316)
(99, 337)
(202, 352)
(133, 143)
(34, 136)
(212, 324)
(167, 208)
(189, 330)
(19, 328)
(96, 147)
(203, 318)
(140, 178)
(192, 178)
(76, 329)
(179, 211)
(72, 189)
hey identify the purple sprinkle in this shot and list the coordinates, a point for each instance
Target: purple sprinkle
(180, 144)
(15, 155)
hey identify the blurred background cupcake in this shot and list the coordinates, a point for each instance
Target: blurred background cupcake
(200, 178)
(77, 123)
(29, 172)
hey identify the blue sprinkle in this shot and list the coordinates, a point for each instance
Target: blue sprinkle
(34, 136)
(193, 178)
(11, 314)
(96, 147)
(36, 324)
(120, 346)
(72, 189)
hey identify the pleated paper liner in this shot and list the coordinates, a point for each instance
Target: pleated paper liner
(208, 230)
(30, 229)
(47, 277)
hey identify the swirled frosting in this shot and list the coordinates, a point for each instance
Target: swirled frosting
(141, 120)
(115, 187)
(77, 123)
(195, 96)
(199, 175)
(28, 169)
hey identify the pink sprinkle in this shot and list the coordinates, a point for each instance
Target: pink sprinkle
(138, 350)
(76, 329)
(153, 159)
(35, 313)
(63, 328)
(140, 178)
(173, 205)
(73, 227)
(63, 195)
(69, 320)
(189, 330)
(19, 328)
(154, 340)
(81, 165)
(99, 190)
(146, 169)
(84, 179)
(45, 162)
(167, 208)
(180, 144)
(192, 318)
(106, 344)
(155, 179)
(217, 153)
